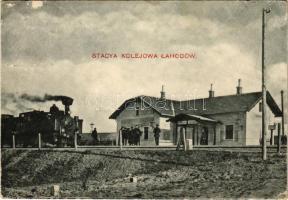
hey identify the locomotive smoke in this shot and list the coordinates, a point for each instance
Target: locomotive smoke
(13, 103)
(66, 101)
(45, 98)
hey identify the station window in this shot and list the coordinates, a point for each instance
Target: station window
(260, 107)
(137, 110)
(229, 132)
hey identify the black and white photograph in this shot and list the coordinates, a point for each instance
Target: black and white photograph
(144, 99)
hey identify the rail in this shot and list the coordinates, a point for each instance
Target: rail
(250, 148)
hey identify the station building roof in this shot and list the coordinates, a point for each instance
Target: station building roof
(201, 107)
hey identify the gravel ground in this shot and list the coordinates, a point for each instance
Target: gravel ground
(159, 174)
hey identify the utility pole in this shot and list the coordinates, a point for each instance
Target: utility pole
(282, 108)
(264, 122)
(279, 139)
(281, 125)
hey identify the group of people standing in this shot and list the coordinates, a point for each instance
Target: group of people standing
(131, 136)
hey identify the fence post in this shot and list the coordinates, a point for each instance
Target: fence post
(39, 141)
(279, 138)
(13, 142)
(75, 140)
(120, 136)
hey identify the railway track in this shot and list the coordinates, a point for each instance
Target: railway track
(160, 148)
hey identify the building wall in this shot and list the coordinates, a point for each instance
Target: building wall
(238, 120)
(246, 127)
(254, 125)
(147, 118)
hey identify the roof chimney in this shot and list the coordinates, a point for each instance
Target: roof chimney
(162, 93)
(239, 88)
(211, 92)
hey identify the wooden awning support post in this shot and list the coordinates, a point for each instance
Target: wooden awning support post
(197, 135)
(120, 138)
(214, 135)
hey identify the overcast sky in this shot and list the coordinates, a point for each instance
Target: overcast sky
(47, 49)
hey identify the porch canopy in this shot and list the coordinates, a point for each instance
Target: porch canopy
(186, 117)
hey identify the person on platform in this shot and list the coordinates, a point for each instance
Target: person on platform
(95, 135)
(284, 139)
(138, 134)
(157, 132)
(131, 136)
(124, 136)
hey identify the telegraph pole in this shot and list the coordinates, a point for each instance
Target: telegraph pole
(281, 125)
(282, 108)
(264, 122)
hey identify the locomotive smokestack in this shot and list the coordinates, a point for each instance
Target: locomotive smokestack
(67, 101)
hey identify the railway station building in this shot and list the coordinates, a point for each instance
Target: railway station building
(231, 120)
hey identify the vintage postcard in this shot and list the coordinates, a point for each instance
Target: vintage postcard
(144, 99)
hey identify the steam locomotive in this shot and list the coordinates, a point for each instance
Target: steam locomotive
(57, 127)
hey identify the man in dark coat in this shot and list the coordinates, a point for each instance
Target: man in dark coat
(137, 134)
(133, 136)
(156, 132)
(130, 136)
(95, 135)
